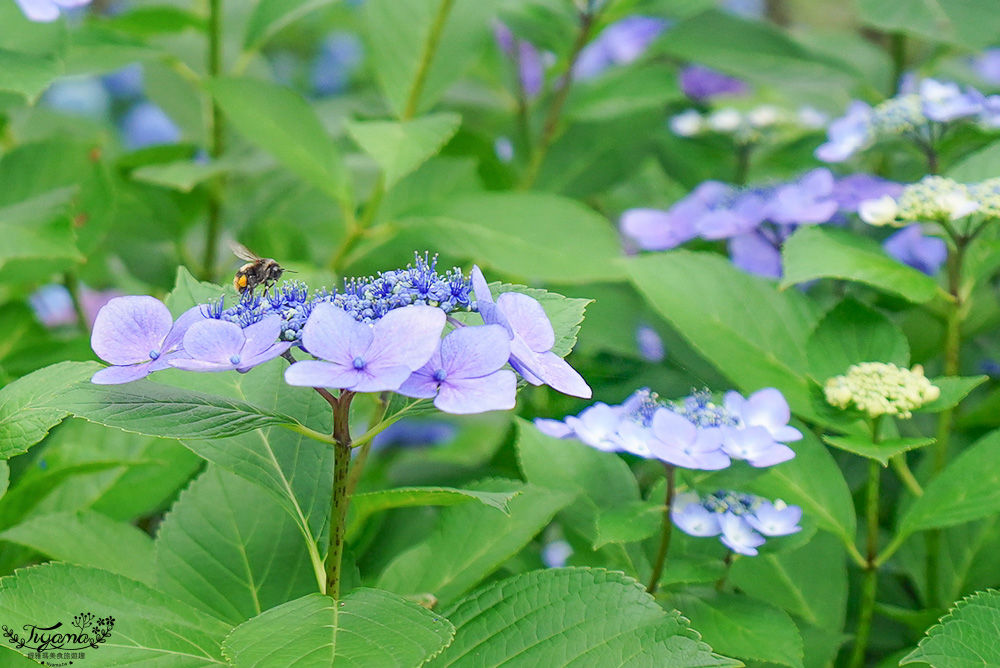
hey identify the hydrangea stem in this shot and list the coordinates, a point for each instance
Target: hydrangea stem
(73, 286)
(430, 48)
(668, 526)
(866, 612)
(217, 145)
(341, 496)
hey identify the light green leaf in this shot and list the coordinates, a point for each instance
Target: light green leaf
(851, 333)
(883, 451)
(471, 541)
(87, 538)
(623, 91)
(965, 638)
(953, 390)
(189, 291)
(420, 47)
(547, 618)
(977, 166)
(213, 554)
(149, 627)
(270, 16)
(959, 22)
(365, 504)
(368, 627)
(27, 74)
(743, 627)
(750, 331)
(280, 121)
(539, 236)
(39, 229)
(628, 524)
(155, 20)
(26, 407)
(400, 147)
(968, 489)
(182, 175)
(821, 251)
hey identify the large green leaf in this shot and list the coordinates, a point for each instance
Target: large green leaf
(400, 147)
(539, 236)
(27, 410)
(420, 47)
(965, 638)
(270, 16)
(571, 617)
(968, 489)
(87, 538)
(965, 23)
(233, 564)
(39, 229)
(851, 333)
(750, 331)
(821, 251)
(149, 628)
(27, 74)
(743, 627)
(278, 120)
(471, 541)
(368, 627)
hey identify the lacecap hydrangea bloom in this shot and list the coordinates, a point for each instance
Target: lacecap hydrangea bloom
(933, 198)
(378, 334)
(741, 520)
(694, 432)
(877, 388)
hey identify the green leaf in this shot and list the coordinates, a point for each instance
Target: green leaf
(399, 147)
(977, 166)
(965, 638)
(471, 541)
(156, 20)
(270, 16)
(851, 333)
(26, 410)
(953, 390)
(959, 22)
(213, 554)
(420, 47)
(623, 91)
(280, 121)
(189, 291)
(750, 331)
(87, 538)
(969, 488)
(182, 175)
(27, 74)
(544, 237)
(10, 657)
(145, 407)
(883, 451)
(743, 627)
(368, 627)
(149, 627)
(365, 504)
(39, 229)
(547, 618)
(629, 524)
(821, 251)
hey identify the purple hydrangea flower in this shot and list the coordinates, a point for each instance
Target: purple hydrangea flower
(771, 520)
(756, 255)
(742, 520)
(137, 335)
(531, 67)
(620, 43)
(414, 433)
(680, 442)
(340, 56)
(464, 375)
(944, 102)
(761, 430)
(807, 200)
(531, 338)
(45, 11)
(126, 83)
(703, 83)
(146, 124)
(653, 229)
(650, 344)
(217, 345)
(692, 517)
(366, 358)
(848, 134)
(987, 66)
(911, 246)
(850, 191)
(79, 96)
(738, 535)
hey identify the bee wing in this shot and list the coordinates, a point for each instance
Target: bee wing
(242, 252)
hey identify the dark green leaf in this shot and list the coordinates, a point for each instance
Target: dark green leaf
(851, 333)
(270, 16)
(965, 638)
(881, 452)
(628, 524)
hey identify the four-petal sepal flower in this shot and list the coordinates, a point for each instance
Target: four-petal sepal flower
(217, 345)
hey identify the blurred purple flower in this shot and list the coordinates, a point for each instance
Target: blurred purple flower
(848, 134)
(773, 521)
(807, 200)
(556, 554)
(680, 442)
(126, 83)
(747, 9)
(653, 229)
(620, 43)
(414, 433)
(217, 345)
(146, 124)
(850, 191)
(366, 358)
(987, 66)
(465, 374)
(340, 55)
(530, 66)
(754, 254)
(910, 246)
(649, 343)
(53, 304)
(531, 338)
(693, 518)
(137, 335)
(45, 11)
(946, 102)
(736, 518)
(738, 535)
(703, 83)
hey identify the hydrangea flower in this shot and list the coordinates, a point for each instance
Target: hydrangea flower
(620, 43)
(530, 63)
(877, 388)
(680, 442)
(137, 335)
(847, 135)
(650, 344)
(126, 83)
(340, 56)
(761, 429)
(45, 11)
(912, 247)
(987, 66)
(933, 198)
(79, 96)
(366, 358)
(531, 338)
(703, 83)
(741, 520)
(216, 345)
(465, 374)
(146, 124)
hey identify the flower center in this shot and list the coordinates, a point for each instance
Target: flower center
(440, 375)
(235, 359)
(359, 363)
(153, 354)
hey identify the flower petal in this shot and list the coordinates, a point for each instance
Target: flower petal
(406, 337)
(310, 373)
(113, 375)
(189, 364)
(472, 352)
(377, 378)
(332, 334)
(553, 428)
(40, 10)
(528, 319)
(127, 329)
(181, 325)
(214, 341)
(268, 354)
(261, 336)
(464, 396)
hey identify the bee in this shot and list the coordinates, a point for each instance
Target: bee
(257, 271)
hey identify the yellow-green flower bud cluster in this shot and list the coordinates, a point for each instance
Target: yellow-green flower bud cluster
(935, 198)
(898, 115)
(876, 388)
(987, 194)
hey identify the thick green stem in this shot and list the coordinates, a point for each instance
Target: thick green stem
(341, 497)
(866, 612)
(555, 109)
(430, 48)
(216, 145)
(905, 475)
(897, 48)
(73, 286)
(742, 173)
(668, 526)
(727, 566)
